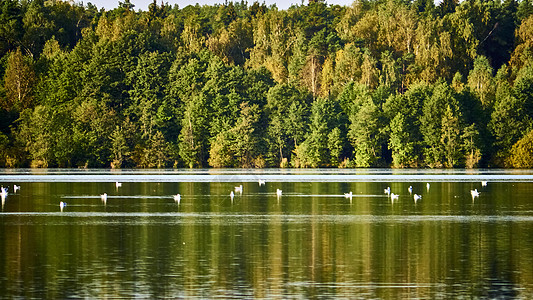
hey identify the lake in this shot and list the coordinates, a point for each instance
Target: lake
(313, 241)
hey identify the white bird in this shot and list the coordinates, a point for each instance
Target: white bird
(484, 183)
(387, 190)
(3, 191)
(3, 196)
(427, 186)
(279, 192)
(62, 205)
(474, 194)
(238, 189)
(394, 196)
(16, 188)
(231, 195)
(348, 196)
(410, 189)
(261, 182)
(417, 197)
(104, 198)
(177, 198)
(118, 184)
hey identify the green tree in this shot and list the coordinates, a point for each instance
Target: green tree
(192, 36)
(401, 143)
(247, 140)
(369, 71)
(19, 81)
(287, 114)
(450, 137)
(405, 138)
(509, 120)
(447, 7)
(4, 146)
(390, 71)
(11, 26)
(231, 43)
(93, 125)
(122, 144)
(480, 80)
(525, 9)
(298, 58)
(61, 83)
(120, 149)
(156, 153)
(35, 132)
(193, 137)
(348, 63)
(432, 50)
(335, 144)
(126, 5)
(364, 130)
(314, 151)
(220, 153)
(272, 41)
(433, 130)
(149, 82)
(522, 153)
(47, 137)
(38, 27)
(523, 89)
(187, 78)
(471, 142)
(469, 25)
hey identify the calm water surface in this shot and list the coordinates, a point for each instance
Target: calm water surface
(312, 242)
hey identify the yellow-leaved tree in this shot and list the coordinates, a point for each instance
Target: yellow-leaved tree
(19, 81)
(522, 153)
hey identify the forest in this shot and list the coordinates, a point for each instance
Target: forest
(379, 83)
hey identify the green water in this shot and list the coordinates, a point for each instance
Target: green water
(312, 242)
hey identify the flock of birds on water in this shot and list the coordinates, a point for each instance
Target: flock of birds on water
(4, 191)
(474, 193)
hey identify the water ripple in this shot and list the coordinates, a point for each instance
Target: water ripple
(142, 218)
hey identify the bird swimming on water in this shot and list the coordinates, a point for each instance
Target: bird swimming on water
(394, 196)
(238, 189)
(3, 191)
(474, 194)
(348, 196)
(417, 197)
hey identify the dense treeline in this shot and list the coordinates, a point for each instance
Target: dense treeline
(379, 83)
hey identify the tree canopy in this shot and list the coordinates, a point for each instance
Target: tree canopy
(379, 83)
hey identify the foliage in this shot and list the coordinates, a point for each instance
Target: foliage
(522, 153)
(19, 81)
(385, 83)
